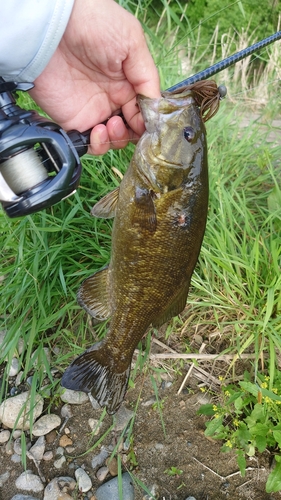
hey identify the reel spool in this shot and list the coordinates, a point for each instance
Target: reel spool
(39, 161)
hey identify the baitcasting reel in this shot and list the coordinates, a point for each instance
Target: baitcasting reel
(39, 161)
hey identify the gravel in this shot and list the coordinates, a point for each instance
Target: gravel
(46, 424)
(10, 409)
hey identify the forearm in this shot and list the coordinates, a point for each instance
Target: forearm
(30, 32)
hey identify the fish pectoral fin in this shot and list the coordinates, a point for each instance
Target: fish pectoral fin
(172, 309)
(93, 295)
(106, 207)
(91, 372)
(145, 213)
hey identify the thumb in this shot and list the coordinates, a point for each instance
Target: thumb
(140, 70)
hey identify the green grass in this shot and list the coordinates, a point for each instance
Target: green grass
(236, 287)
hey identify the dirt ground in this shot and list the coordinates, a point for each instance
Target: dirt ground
(207, 473)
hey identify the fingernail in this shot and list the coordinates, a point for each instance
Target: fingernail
(103, 136)
(119, 130)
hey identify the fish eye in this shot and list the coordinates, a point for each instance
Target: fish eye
(189, 134)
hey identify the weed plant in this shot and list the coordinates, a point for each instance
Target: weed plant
(236, 287)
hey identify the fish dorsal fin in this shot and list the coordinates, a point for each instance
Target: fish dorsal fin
(145, 213)
(173, 309)
(93, 295)
(106, 207)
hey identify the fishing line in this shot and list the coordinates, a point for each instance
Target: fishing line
(41, 168)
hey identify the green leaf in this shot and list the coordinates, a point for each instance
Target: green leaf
(274, 200)
(258, 412)
(243, 433)
(271, 395)
(240, 5)
(213, 426)
(261, 442)
(274, 479)
(241, 460)
(233, 397)
(206, 410)
(277, 437)
(249, 387)
(238, 403)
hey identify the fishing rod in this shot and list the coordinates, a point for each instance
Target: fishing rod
(227, 62)
(40, 162)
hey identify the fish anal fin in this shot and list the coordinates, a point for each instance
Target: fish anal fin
(106, 207)
(93, 295)
(92, 372)
(173, 309)
(145, 213)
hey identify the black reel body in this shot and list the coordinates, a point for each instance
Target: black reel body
(39, 161)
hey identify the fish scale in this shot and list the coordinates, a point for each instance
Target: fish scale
(160, 211)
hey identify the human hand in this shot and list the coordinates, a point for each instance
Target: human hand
(100, 65)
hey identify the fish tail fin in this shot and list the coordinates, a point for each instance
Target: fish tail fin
(92, 372)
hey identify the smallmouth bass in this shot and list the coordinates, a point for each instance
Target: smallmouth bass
(160, 211)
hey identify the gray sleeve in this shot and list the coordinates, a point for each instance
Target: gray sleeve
(30, 32)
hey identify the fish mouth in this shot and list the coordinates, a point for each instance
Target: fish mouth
(166, 163)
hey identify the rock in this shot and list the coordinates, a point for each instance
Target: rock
(57, 489)
(10, 409)
(36, 452)
(123, 417)
(3, 478)
(14, 367)
(95, 426)
(17, 446)
(150, 402)
(100, 458)
(19, 496)
(112, 466)
(109, 490)
(84, 481)
(9, 448)
(159, 446)
(29, 482)
(18, 379)
(102, 473)
(29, 380)
(14, 391)
(59, 462)
(48, 456)
(73, 397)
(153, 493)
(70, 449)
(46, 424)
(190, 498)
(66, 483)
(16, 459)
(65, 441)
(66, 411)
(166, 384)
(17, 433)
(4, 436)
(52, 490)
